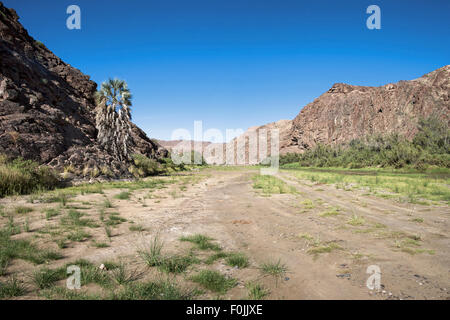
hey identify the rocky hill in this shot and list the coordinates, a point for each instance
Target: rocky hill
(346, 112)
(47, 107)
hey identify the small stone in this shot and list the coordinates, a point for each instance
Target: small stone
(102, 267)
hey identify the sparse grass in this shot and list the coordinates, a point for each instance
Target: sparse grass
(23, 249)
(306, 236)
(92, 274)
(124, 195)
(123, 275)
(61, 197)
(418, 220)
(111, 265)
(74, 218)
(406, 186)
(202, 242)
(61, 243)
(22, 210)
(107, 204)
(100, 244)
(356, 220)
(237, 259)
(154, 290)
(271, 185)
(50, 213)
(137, 228)
(276, 270)
(78, 236)
(114, 219)
(256, 291)
(26, 225)
(11, 226)
(216, 256)
(214, 281)
(152, 253)
(45, 278)
(4, 262)
(331, 212)
(176, 263)
(12, 287)
(60, 293)
(324, 248)
(307, 204)
(108, 232)
(410, 244)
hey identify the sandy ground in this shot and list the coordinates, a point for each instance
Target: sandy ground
(223, 205)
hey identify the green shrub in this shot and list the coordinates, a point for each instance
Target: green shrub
(21, 176)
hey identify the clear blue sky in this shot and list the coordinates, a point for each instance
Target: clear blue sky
(239, 63)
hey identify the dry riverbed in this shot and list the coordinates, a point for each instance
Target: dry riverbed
(212, 234)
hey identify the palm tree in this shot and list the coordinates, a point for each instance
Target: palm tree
(113, 118)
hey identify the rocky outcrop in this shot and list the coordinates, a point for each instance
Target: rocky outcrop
(47, 107)
(346, 112)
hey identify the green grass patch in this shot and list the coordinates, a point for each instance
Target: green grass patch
(214, 281)
(203, 242)
(256, 291)
(23, 249)
(277, 270)
(325, 248)
(394, 184)
(21, 176)
(331, 212)
(237, 259)
(124, 195)
(356, 220)
(50, 213)
(154, 290)
(22, 210)
(136, 228)
(271, 185)
(11, 288)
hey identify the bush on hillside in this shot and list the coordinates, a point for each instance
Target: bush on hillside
(430, 146)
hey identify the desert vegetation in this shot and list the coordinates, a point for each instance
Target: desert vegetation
(430, 147)
(113, 117)
(19, 176)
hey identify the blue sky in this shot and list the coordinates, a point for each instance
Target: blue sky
(239, 63)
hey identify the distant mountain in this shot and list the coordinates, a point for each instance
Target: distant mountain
(47, 106)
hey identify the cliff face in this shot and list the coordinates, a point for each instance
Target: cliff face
(346, 112)
(47, 106)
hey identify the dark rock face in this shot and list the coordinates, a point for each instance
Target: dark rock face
(47, 106)
(347, 112)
